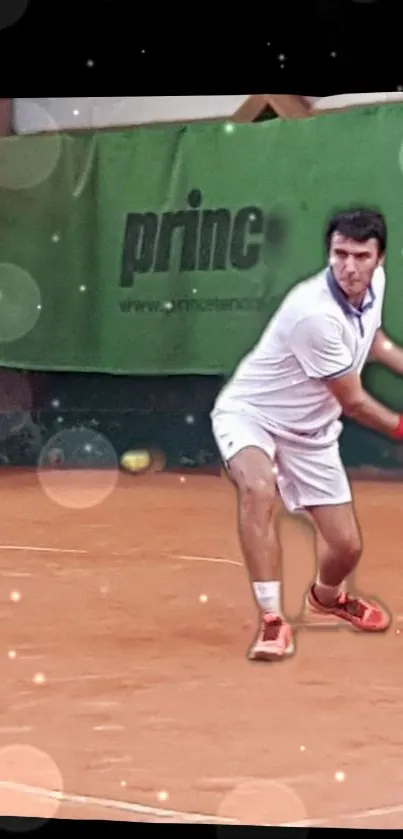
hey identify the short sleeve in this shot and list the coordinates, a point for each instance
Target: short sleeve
(317, 344)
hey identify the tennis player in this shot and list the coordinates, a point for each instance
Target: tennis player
(277, 426)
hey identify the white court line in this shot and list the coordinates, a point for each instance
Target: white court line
(15, 729)
(226, 784)
(107, 727)
(186, 557)
(206, 559)
(110, 803)
(87, 677)
(155, 811)
(41, 550)
(31, 657)
(38, 549)
(203, 818)
(106, 761)
(377, 812)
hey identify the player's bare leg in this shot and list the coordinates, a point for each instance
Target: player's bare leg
(339, 551)
(252, 472)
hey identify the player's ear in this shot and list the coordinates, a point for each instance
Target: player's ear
(381, 259)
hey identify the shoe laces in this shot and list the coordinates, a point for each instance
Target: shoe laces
(352, 605)
(271, 627)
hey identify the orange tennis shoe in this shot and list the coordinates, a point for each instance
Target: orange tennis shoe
(359, 613)
(274, 641)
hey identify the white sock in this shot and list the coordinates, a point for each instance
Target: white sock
(327, 594)
(268, 596)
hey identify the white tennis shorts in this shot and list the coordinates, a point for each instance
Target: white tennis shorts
(305, 476)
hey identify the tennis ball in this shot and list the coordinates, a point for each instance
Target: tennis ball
(136, 461)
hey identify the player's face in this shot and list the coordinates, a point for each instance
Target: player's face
(353, 264)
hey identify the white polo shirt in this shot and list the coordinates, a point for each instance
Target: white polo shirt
(314, 335)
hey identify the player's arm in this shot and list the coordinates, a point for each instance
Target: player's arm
(385, 352)
(360, 406)
(317, 342)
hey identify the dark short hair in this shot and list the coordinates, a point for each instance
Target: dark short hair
(359, 225)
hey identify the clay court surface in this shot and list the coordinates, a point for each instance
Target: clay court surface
(125, 689)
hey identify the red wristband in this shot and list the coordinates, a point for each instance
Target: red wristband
(397, 434)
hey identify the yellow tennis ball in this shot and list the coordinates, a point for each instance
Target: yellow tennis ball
(136, 461)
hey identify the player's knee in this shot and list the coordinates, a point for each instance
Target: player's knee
(253, 474)
(257, 491)
(354, 550)
(349, 548)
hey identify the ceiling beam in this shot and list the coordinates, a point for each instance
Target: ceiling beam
(6, 117)
(289, 106)
(251, 108)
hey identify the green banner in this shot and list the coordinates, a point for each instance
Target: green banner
(165, 250)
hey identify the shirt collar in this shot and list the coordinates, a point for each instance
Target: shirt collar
(340, 297)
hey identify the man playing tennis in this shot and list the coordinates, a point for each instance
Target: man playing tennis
(277, 424)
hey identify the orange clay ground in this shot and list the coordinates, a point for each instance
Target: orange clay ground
(125, 690)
